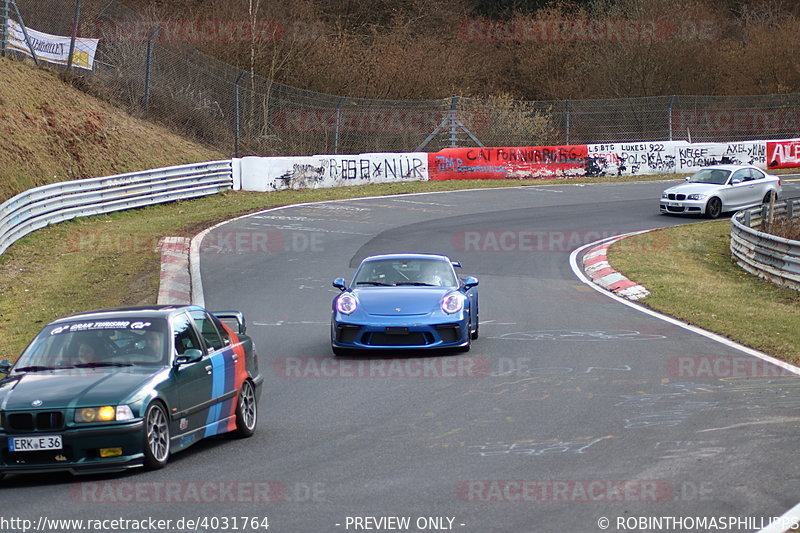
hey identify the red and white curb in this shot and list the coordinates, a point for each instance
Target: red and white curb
(175, 284)
(596, 266)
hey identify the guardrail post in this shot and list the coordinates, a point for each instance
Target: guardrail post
(147, 68)
(789, 209)
(748, 219)
(75, 20)
(237, 116)
(771, 210)
(566, 121)
(4, 28)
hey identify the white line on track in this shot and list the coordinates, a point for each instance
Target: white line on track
(792, 515)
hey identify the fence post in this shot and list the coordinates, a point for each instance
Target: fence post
(75, 21)
(338, 119)
(237, 116)
(148, 62)
(453, 121)
(4, 29)
(566, 121)
(669, 114)
(25, 32)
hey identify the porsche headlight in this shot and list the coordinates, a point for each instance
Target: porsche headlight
(346, 304)
(452, 303)
(106, 413)
(697, 197)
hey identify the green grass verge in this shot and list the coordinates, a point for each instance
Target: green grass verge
(691, 276)
(109, 260)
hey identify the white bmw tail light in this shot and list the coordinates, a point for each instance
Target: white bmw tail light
(346, 303)
(452, 303)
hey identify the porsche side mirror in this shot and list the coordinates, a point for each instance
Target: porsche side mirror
(456, 264)
(191, 355)
(5, 366)
(340, 284)
(470, 282)
(687, 178)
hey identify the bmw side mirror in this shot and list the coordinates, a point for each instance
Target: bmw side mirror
(340, 284)
(456, 264)
(470, 282)
(5, 366)
(191, 355)
(687, 178)
(735, 181)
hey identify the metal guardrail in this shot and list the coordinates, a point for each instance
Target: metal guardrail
(767, 256)
(57, 202)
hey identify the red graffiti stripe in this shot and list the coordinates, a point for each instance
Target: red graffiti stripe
(525, 162)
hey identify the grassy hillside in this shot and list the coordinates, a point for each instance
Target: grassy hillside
(54, 132)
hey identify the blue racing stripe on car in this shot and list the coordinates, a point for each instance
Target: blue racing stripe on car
(230, 377)
(217, 390)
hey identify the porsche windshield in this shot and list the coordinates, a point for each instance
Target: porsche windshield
(402, 272)
(714, 176)
(97, 342)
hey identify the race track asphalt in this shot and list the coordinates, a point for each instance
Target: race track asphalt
(569, 408)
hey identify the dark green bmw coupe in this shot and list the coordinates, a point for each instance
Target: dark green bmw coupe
(108, 390)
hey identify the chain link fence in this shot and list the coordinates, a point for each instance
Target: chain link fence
(242, 113)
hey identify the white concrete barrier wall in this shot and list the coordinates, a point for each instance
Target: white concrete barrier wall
(665, 157)
(691, 157)
(318, 171)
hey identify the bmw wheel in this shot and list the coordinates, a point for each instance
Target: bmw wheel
(246, 411)
(714, 208)
(156, 436)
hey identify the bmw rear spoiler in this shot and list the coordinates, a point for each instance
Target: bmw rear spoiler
(238, 316)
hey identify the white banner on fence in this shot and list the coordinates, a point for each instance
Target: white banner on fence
(52, 48)
(318, 171)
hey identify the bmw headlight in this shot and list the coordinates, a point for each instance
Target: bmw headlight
(452, 303)
(664, 196)
(106, 413)
(346, 304)
(697, 197)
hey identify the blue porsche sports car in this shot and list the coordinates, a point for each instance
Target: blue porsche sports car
(404, 301)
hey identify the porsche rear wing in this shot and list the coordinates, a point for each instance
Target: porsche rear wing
(238, 316)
